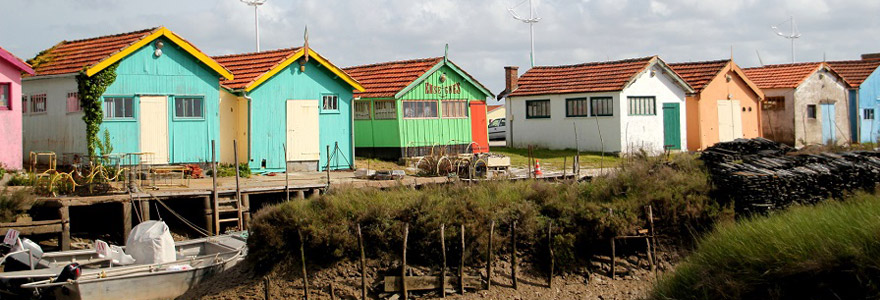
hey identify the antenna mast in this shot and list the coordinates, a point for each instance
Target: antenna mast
(531, 20)
(795, 33)
(255, 4)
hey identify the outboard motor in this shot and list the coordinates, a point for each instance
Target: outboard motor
(70, 272)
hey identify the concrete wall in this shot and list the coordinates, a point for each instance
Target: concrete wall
(55, 130)
(703, 110)
(10, 119)
(646, 132)
(821, 87)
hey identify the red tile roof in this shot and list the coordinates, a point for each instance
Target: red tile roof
(855, 72)
(699, 74)
(247, 67)
(71, 56)
(15, 61)
(781, 76)
(384, 80)
(493, 107)
(583, 78)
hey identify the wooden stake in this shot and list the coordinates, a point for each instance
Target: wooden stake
(552, 258)
(443, 267)
(126, 219)
(513, 254)
(363, 264)
(215, 198)
(287, 177)
(302, 256)
(237, 184)
(266, 288)
(461, 265)
(403, 263)
(564, 164)
(613, 260)
(328, 167)
(489, 256)
(64, 212)
(332, 292)
(209, 214)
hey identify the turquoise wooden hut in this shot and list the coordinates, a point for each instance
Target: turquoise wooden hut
(163, 101)
(292, 100)
(863, 95)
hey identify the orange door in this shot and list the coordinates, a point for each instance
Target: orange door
(479, 127)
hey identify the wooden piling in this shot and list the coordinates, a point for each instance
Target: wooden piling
(144, 207)
(461, 265)
(300, 194)
(287, 178)
(266, 291)
(613, 259)
(302, 257)
(489, 256)
(403, 291)
(215, 197)
(564, 164)
(550, 250)
(328, 168)
(246, 210)
(126, 219)
(64, 213)
(443, 267)
(363, 264)
(237, 184)
(209, 214)
(513, 254)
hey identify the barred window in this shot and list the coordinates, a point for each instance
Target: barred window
(455, 109)
(642, 106)
(38, 103)
(330, 102)
(601, 106)
(419, 109)
(362, 110)
(74, 104)
(576, 107)
(385, 110)
(188, 107)
(24, 104)
(869, 113)
(773, 103)
(537, 109)
(5, 95)
(118, 108)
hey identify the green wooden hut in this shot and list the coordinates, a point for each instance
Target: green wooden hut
(411, 107)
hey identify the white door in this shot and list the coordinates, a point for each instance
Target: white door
(729, 120)
(302, 130)
(154, 129)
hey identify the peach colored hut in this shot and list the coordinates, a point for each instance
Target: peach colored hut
(725, 105)
(11, 68)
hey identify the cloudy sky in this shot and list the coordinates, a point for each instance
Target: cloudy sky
(482, 36)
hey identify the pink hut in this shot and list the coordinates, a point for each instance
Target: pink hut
(11, 69)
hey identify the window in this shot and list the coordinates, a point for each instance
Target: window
(5, 96)
(419, 109)
(576, 107)
(330, 102)
(38, 103)
(188, 107)
(385, 110)
(601, 106)
(24, 104)
(642, 106)
(536, 109)
(118, 108)
(868, 114)
(455, 109)
(773, 103)
(811, 111)
(74, 104)
(495, 123)
(362, 110)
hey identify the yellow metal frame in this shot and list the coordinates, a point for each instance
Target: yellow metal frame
(160, 32)
(293, 58)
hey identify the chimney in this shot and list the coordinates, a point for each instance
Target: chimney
(871, 56)
(511, 78)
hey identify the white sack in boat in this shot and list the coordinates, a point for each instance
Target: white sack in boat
(150, 242)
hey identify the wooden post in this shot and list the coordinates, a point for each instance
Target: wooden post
(287, 177)
(513, 254)
(564, 163)
(461, 265)
(126, 219)
(328, 169)
(144, 207)
(302, 256)
(489, 256)
(215, 207)
(552, 258)
(209, 214)
(332, 292)
(64, 241)
(403, 291)
(443, 267)
(652, 245)
(613, 260)
(246, 209)
(266, 288)
(237, 184)
(363, 264)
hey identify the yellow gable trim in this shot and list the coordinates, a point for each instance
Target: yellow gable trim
(162, 31)
(321, 60)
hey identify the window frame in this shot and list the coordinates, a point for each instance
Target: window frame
(812, 109)
(773, 103)
(386, 115)
(33, 104)
(464, 103)
(8, 95)
(610, 101)
(630, 108)
(134, 111)
(369, 104)
(188, 118)
(334, 110)
(436, 109)
(586, 102)
(536, 101)
(79, 108)
(865, 114)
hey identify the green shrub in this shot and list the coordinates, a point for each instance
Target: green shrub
(228, 170)
(21, 179)
(828, 251)
(583, 215)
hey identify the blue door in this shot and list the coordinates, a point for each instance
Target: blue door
(868, 126)
(827, 115)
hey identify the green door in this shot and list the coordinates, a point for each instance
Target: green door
(671, 126)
